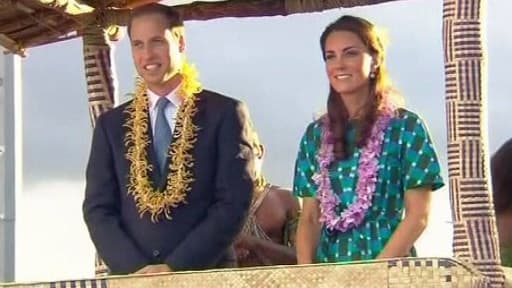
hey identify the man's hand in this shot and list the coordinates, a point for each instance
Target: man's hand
(150, 269)
(245, 245)
(247, 242)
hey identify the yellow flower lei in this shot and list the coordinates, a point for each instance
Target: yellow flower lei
(154, 201)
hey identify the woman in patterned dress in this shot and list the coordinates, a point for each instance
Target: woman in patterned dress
(365, 169)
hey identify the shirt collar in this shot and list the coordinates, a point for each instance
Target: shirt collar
(172, 96)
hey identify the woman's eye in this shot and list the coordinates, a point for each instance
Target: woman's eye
(329, 56)
(352, 53)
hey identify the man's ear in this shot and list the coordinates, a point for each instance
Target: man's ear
(181, 42)
(262, 151)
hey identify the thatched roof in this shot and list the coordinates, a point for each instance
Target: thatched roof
(30, 23)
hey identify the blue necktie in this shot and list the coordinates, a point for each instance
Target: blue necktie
(163, 134)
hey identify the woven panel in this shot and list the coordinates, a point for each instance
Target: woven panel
(100, 283)
(99, 83)
(369, 275)
(99, 75)
(394, 273)
(424, 273)
(89, 283)
(475, 236)
(474, 201)
(461, 246)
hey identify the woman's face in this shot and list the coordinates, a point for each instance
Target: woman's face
(348, 63)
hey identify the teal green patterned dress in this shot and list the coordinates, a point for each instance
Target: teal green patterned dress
(408, 160)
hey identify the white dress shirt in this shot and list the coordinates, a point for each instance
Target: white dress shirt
(170, 111)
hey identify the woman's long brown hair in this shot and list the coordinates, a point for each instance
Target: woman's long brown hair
(379, 85)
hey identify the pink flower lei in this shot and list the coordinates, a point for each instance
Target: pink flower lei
(367, 176)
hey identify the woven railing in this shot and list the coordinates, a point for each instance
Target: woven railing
(395, 273)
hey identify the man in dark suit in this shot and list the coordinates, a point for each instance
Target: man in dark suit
(170, 174)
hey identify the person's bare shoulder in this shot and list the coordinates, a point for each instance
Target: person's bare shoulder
(287, 199)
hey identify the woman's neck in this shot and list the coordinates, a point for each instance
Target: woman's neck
(355, 103)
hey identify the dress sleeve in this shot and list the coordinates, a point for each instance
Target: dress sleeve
(305, 164)
(420, 164)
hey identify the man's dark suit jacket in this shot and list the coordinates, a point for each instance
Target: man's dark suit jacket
(201, 231)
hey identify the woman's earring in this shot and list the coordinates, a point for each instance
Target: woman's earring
(372, 75)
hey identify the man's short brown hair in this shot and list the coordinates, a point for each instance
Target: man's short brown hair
(172, 16)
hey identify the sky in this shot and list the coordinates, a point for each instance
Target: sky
(273, 64)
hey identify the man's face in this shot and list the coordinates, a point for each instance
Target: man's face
(157, 51)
